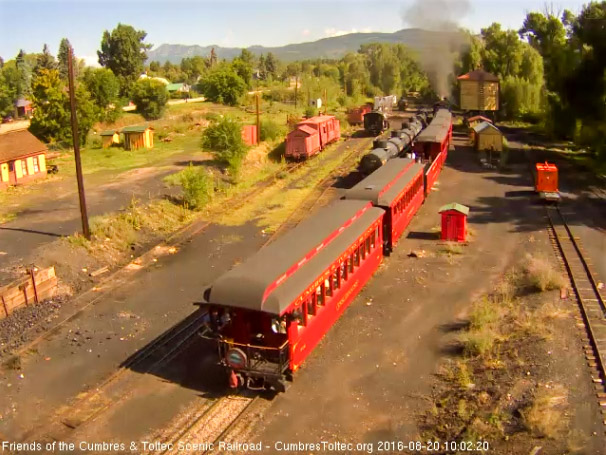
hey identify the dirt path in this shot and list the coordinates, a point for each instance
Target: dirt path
(53, 211)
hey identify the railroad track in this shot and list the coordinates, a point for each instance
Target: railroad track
(202, 429)
(588, 295)
(160, 351)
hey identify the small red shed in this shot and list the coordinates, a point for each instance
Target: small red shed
(249, 134)
(454, 222)
(546, 178)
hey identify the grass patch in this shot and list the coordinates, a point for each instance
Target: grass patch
(6, 217)
(13, 363)
(545, 416)
(119, 232)
(451, 249)
(541, 275)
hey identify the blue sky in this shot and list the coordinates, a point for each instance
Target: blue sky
(29, 24)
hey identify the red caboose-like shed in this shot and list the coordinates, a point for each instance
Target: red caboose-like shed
(454, 222)
(302, 143)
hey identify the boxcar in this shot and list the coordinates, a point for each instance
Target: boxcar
(356, 115)
(268, 313)
(302, 142)
(327, 126)
(396, 187)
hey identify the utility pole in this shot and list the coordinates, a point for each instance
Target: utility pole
(72, 105)
(325, 101)
(258, 119)
(296, 87)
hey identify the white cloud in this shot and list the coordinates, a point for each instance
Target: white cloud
(305, 32)
(228, 39)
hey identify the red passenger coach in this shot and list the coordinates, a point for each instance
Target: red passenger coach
(396, 187)
(432, 146)
(268, 313)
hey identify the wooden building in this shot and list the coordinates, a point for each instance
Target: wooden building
(24, 107)
(487, 137)
(454, 222)
(138, 136)
(22, 158)
(110, 137)
(479, 91)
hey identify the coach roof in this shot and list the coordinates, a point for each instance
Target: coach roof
(275, 276)
(386, 183)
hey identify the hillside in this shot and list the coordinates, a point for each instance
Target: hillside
(417, 39)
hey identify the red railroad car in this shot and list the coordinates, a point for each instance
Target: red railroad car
(327, 126)
(269, 312)
(302, 142)
(436, 138)
(397, 187)
(355, 116)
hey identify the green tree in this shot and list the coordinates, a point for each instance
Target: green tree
(271, 65)
(7, 96)
(64, 48)
(155, 66)
(193, 68)
(223, 85)
(104, 89)
(243, 69)
(45, 60)
(51, 121)
(247, 56)
(224, 139)
(124, 52)
(150, 97)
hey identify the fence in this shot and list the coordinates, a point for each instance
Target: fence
(37, 286)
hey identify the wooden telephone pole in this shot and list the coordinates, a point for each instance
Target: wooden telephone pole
(296, 88)
(258, 119)
(76, 141)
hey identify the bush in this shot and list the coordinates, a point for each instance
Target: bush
(150, 97)
(270, 130)
(197, 187)
(310, 111)
(224, 139)
(223, 85)
(541, 274)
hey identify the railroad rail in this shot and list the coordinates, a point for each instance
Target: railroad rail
(204, 427)
(587, 292)
(164, 348)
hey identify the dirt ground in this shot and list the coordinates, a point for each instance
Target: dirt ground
(375, 372)
(54, 211)
(373, 375)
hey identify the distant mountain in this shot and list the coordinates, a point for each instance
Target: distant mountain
(417, 39)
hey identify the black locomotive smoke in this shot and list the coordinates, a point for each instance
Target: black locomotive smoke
(439, 49)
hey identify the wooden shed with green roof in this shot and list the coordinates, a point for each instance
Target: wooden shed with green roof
(137, 137)
(110, 137)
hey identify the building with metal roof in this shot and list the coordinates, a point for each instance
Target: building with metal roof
(273, 278)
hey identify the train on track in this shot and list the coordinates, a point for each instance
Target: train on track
(400, 142)
(375, 122)
(311, 136)
(267, 314)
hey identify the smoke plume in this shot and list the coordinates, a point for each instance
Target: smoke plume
(444, 41)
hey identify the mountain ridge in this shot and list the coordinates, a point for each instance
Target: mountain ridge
(335, 47)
